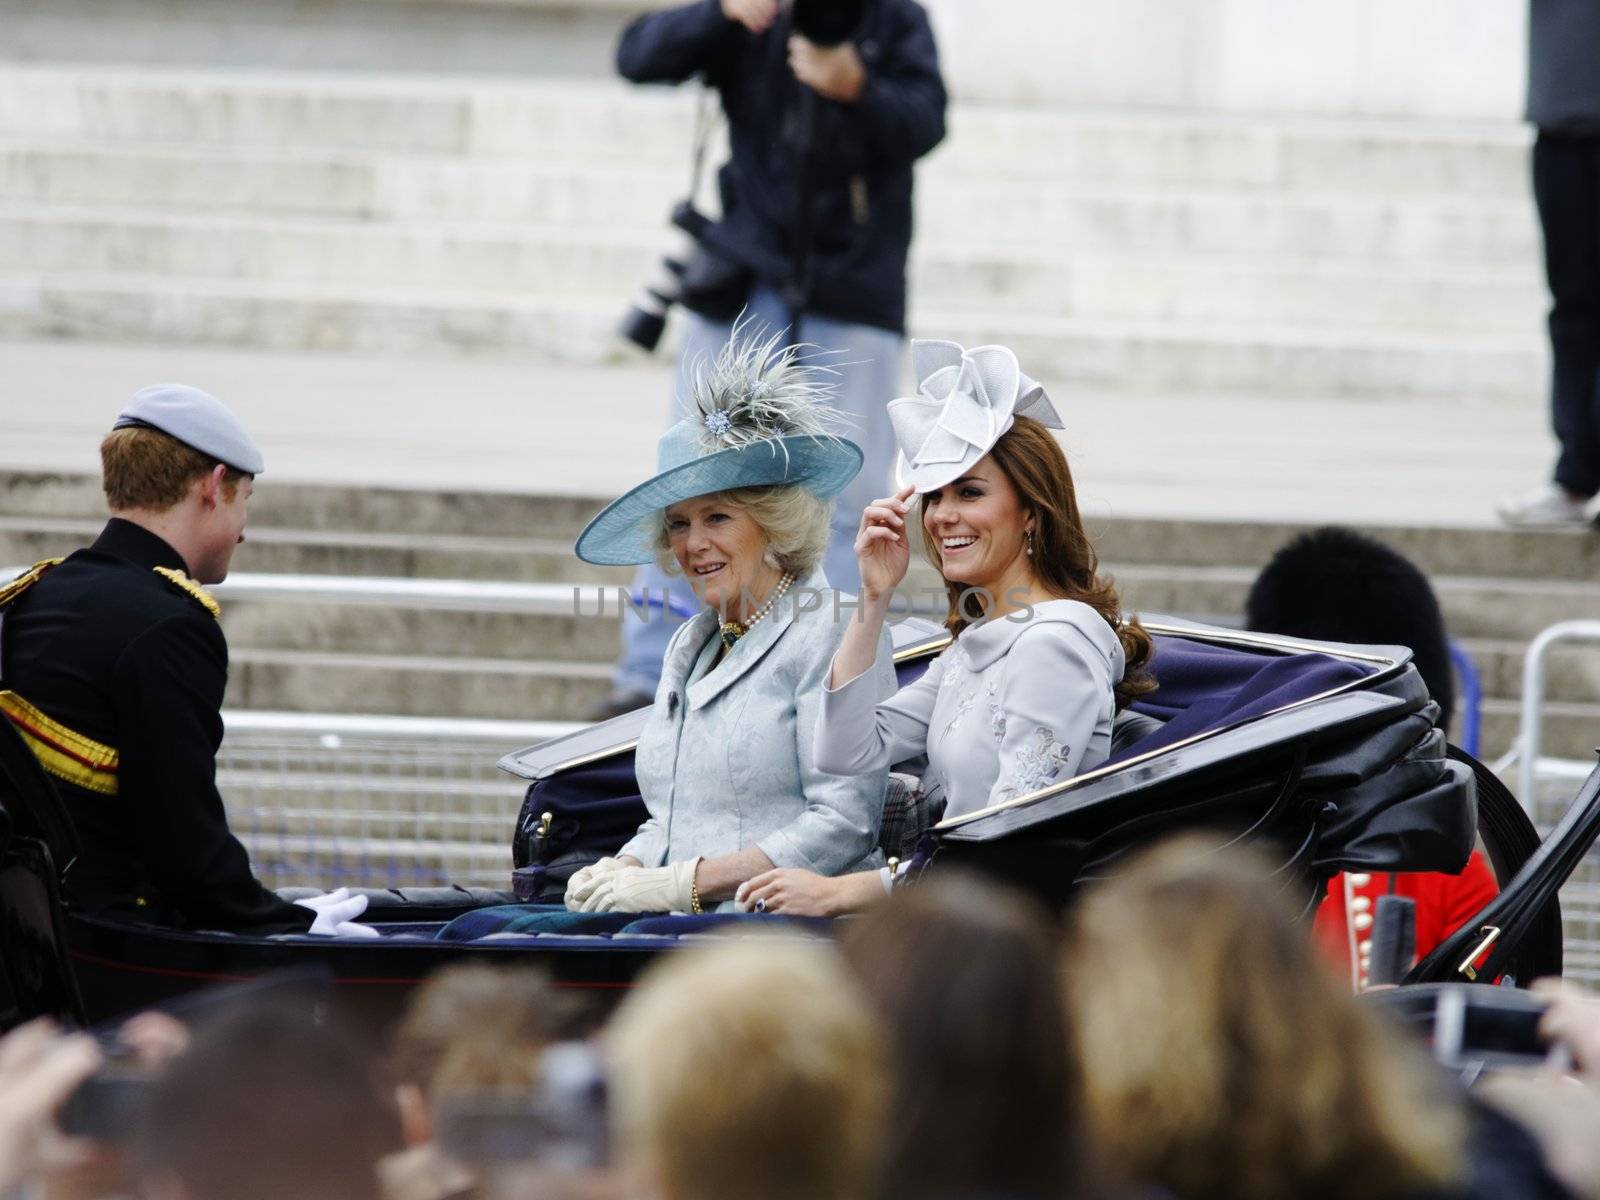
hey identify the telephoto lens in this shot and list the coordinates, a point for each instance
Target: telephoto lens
(646, 318)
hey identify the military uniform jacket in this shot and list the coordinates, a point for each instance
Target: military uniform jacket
(116, 650)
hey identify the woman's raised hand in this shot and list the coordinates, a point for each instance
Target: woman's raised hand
(883, 547)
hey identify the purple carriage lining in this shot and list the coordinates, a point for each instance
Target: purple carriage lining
(1204, 687)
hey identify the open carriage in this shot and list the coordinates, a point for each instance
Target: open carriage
(1329, 754)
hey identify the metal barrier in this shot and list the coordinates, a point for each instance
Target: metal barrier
(328, 799)
(1580, 897)
(1525, 751)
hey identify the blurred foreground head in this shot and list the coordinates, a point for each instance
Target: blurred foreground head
(474, 1028)
(750, 1068)
(985, 1083)
(266, 1103)
(1222, 1059)
(1338, 585)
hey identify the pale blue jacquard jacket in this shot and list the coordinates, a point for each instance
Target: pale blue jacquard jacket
(1016, 704)
(726, 760)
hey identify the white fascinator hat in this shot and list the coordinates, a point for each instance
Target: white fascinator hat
(966, 401)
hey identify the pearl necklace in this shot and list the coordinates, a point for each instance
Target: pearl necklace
(732, 631)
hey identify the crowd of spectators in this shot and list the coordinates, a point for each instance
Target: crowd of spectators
(1175, 1036)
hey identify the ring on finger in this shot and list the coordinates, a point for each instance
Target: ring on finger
(761, 906)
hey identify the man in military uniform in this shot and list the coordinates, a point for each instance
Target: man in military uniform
(113, 666)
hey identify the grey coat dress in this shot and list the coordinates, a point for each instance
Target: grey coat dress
(725, 760)
(1012, 707)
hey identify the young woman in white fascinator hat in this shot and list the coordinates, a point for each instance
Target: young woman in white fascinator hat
(740, 503)
(1042, 658)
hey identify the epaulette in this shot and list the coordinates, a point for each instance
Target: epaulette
(26, 580)
(190, 588)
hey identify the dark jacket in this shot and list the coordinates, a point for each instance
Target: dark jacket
(1564, 65)
(858, 171)
(125, 656)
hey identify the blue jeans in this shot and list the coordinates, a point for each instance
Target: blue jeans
(867, 360)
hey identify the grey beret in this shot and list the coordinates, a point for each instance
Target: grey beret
(196, 419)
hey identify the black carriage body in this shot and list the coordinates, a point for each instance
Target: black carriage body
(1328, 752)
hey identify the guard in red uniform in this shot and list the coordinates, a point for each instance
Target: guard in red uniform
(1445, 903)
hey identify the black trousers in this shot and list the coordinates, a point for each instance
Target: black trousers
(1566, 186)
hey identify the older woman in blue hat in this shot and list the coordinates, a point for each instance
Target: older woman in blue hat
(740, 504)
(1042, 659)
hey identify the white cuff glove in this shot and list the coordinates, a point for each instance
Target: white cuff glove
(336, 913)
(647, 889)
(583, 883)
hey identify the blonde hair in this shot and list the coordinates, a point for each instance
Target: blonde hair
(141, 467)
(750, 1068)
(1221, 1058)
(794, 519)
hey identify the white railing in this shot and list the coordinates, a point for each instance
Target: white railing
(323, 799)
(1526, 752)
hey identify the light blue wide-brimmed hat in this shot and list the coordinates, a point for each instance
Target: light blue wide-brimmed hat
(758, 417)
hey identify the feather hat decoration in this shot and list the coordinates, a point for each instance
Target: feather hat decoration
(758, 416)
(760, 390)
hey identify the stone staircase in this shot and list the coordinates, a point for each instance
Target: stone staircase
(1121, 251)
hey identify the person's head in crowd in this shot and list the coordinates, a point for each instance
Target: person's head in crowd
(181, 465)
(266, 1102)
(473, 1028)
(1221, 1059)
(1019, 507)
(985, 1087)
(749, 1068)
(1337, 585)
(470, 1031)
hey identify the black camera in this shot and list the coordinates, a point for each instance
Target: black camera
(827, 22)
(690, 275)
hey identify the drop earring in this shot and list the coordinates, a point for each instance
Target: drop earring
(1028, 538)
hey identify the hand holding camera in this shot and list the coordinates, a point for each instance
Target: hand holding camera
(755, 15)
(833, 72)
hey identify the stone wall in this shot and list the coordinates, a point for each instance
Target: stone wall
(1405, 58)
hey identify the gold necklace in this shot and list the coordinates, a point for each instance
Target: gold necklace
(732, 631)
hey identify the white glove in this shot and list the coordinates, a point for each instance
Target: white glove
(335, 914)
(583, 883)
(647, 889)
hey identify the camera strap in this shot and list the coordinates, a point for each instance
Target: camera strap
(707, 110)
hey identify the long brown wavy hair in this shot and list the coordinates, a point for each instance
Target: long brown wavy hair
(1063, 558)
(1223, 1061)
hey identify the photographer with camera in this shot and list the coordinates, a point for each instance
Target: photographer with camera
(829, 104)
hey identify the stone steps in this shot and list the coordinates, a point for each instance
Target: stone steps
(603, 264)
(367, 523)
(553, 120)
(591, 633)
(953, 209)
(309, 552)
(54, 512)
(1115, 356)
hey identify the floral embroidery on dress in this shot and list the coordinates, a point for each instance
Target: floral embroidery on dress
(1039, 762)
(997, 717)
(964, 703)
